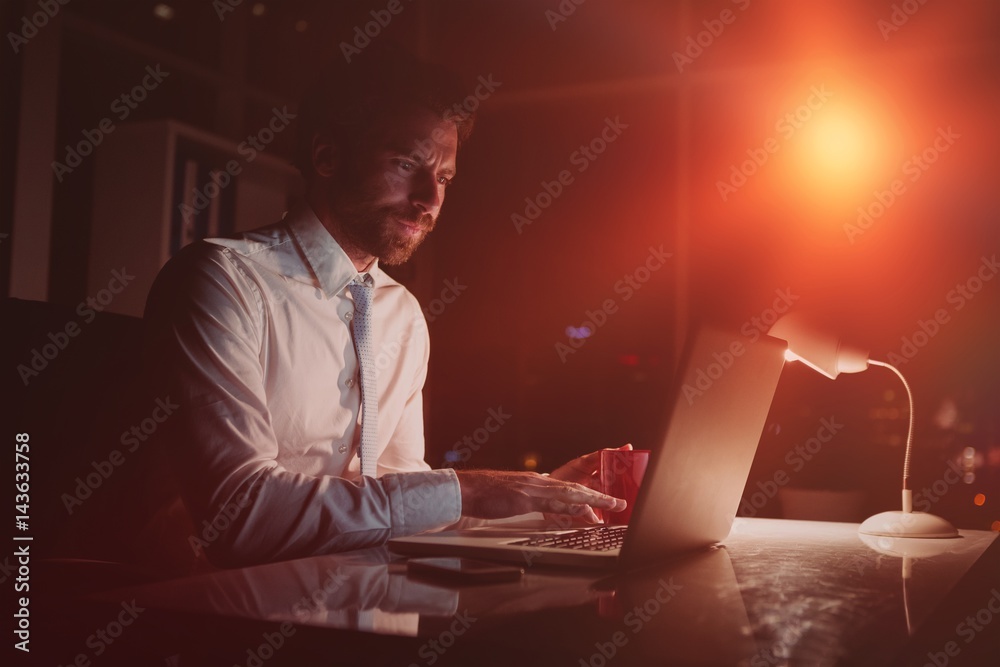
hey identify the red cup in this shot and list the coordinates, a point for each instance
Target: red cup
(622, 471)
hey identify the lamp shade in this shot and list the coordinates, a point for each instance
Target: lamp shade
(817, 348)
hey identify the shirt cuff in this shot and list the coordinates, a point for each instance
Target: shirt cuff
(422, 501)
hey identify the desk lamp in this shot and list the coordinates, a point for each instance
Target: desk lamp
(827, 354)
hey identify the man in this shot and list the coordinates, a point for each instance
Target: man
(298, 364)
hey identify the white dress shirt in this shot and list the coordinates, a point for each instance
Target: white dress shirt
(251, 336)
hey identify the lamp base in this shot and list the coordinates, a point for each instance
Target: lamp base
(907, 524)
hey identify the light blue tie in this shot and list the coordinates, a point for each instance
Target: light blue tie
(362, 328)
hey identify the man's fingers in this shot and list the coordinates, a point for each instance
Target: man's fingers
(582, 511)
(494, 494)
(574, 494)
(591, 459)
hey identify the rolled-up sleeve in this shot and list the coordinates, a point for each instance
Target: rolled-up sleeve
(204, 321)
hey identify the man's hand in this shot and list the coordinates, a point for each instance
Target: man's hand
(493, 494)
(584, 470)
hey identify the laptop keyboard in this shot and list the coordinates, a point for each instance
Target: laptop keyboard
(601, 538)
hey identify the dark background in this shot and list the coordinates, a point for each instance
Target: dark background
(656, 184)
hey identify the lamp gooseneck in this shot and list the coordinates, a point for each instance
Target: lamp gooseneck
(907, 493)
(906, 523)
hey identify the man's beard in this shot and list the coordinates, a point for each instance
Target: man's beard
(374, 229)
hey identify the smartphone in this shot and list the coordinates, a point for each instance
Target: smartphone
(463, 570)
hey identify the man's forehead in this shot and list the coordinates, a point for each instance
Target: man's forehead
(418, 131)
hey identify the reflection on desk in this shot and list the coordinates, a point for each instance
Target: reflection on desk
(820, 596)
(366, 590)
(777, 592)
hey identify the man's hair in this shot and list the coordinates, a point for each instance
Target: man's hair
(347, 99)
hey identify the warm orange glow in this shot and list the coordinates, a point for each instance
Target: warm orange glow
(843, 151)
(530, 461)
(839, 145)
(979, 499)
(995, 526)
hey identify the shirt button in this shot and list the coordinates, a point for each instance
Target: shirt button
(349, 382)
(342, 449)
(347, 316)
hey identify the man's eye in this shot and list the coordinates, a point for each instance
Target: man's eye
(405, 165)
(444, 180)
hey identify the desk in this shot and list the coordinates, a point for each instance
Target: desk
(777, 593)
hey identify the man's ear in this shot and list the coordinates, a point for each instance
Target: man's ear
(324, 156)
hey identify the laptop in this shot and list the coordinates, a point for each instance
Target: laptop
(693, 482)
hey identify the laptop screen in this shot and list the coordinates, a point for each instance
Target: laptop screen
(695, 478)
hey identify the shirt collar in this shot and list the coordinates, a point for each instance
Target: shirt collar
(328, 262)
